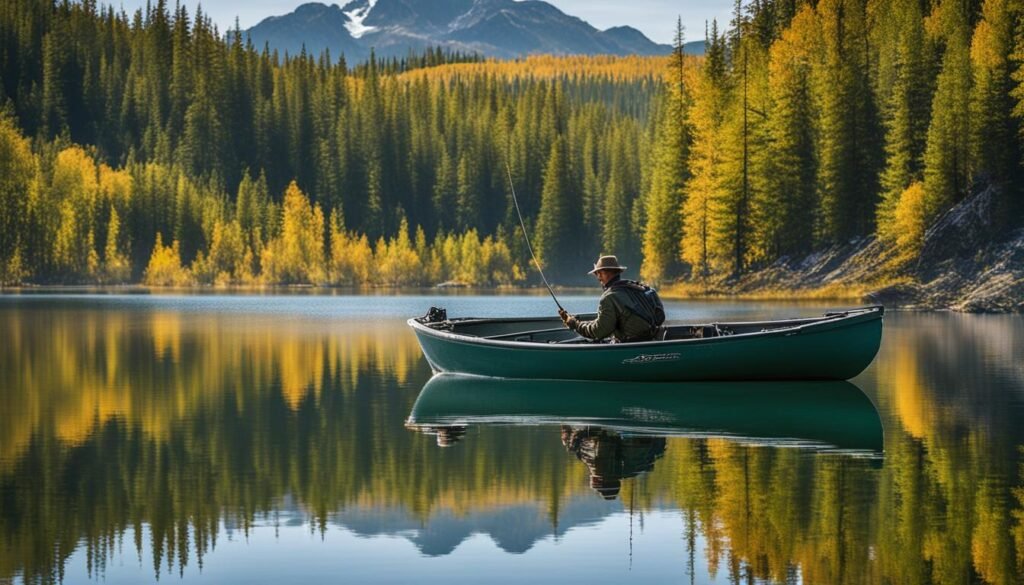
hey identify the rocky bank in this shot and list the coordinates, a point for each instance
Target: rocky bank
(962, 267)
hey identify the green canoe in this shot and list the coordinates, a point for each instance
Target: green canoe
(826, 415)
(836, 346)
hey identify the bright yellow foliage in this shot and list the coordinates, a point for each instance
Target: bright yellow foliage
(116, 266)
(115, 186)
(164, 267)
(351, 260)
(297, 255)
(74, 189)
(704, 185)
(911, 219)
(18, 172)
(572, 67)
(229, 260)
(467, 260)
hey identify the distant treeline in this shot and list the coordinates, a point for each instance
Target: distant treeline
(188, 122)
(803, 125)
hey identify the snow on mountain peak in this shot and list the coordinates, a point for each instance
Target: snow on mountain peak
(357, 13)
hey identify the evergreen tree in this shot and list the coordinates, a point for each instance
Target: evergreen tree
(664, 229)
(848, 153)
(54, 105)
(994, 141)
(617, 235)
(445, 192)
(558, 247)
(907, 109)
(731, 210)
(705, 185)
(204, 136)
(468, 193)
(684, 164)
(253, 212)
(786, 212)
(947, 153)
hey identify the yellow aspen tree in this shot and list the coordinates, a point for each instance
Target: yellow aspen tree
(18, 167)
(164, 268)
(73, 189)
(116, 267)
(296, 256)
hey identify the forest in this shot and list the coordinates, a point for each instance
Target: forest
(151, 147)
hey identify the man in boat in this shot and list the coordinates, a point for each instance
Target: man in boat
(628, 311)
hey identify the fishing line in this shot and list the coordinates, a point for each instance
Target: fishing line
(527, 236)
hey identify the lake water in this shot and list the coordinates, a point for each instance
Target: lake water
(273, 439)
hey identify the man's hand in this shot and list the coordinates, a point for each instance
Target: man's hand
(566, 317)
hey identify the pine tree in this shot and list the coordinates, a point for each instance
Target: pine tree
(445, 192)
(617, 237)
(705, 185)
(731, 209)
(907, 110)
(664, 229)
(994, 145)
(252, 210)
(467, 193)
(54, 104)
(848, 155)
(557, 245)
(947, 153)
(785, 216)
(204, 135)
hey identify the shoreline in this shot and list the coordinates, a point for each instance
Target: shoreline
(898, 294)
(671, 292)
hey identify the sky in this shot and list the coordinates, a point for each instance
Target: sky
(655, 18)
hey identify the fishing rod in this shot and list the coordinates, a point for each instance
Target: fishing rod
(527, 236)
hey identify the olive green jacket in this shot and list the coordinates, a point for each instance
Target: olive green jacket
(614, 318)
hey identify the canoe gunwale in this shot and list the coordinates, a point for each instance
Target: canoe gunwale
(827, 322)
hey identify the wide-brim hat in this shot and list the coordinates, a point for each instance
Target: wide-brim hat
(607, 263)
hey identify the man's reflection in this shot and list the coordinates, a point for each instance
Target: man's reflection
(446, 435)
(610, 456)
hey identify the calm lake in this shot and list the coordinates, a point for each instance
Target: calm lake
(274, 439)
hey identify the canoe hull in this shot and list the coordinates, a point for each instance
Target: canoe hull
(831, 350)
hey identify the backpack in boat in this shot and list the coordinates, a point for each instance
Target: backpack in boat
(645, 304)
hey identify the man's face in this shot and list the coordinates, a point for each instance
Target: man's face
(603, 276)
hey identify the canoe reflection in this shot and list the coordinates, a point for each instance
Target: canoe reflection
(833, 416)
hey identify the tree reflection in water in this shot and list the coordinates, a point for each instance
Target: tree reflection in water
(168, 428)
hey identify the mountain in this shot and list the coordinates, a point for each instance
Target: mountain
(695, 47)
(514, 528)
(494, 28)
(315, 26)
